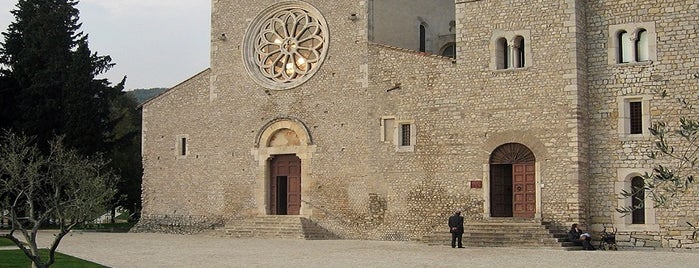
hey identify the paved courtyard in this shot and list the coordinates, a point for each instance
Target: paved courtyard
(165, 250)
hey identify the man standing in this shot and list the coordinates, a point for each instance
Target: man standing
(456, 227)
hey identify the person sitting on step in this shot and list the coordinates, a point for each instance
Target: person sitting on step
(580, 238)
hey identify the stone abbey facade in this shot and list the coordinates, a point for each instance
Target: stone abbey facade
(377, 119)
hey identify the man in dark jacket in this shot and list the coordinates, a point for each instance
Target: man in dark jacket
(580, 238)
(456, 227)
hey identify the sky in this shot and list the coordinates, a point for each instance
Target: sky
(154, 43)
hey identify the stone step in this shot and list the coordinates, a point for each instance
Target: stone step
(276, 226)
(505, 231)
(505, 234)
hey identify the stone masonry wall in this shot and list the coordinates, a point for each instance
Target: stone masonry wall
(563, 106)
(363, 187)
(614, 155)
(541, 101)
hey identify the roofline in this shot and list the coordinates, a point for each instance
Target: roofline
(173, 87)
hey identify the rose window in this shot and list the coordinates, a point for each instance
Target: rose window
(285, 45)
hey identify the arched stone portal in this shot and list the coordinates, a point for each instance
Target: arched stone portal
(513, 187)
(283, 149)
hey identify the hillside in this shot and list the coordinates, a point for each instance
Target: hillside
(144, 94)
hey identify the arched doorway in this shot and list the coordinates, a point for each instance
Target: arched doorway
(285, 185)
(284, 150)
(512, 181)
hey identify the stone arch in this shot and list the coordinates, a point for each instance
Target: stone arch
(269, 131)
(512, 184)
(525, 138)
(448, 50)
(517, 151)
(283, 137)
(512, 153)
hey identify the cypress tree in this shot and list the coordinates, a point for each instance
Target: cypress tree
(48, 87)
(50, 73)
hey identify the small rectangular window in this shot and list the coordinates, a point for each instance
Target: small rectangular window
(183, 146)
(405, 135)
(635, 118)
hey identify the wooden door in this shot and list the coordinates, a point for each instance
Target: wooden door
(523, 190)
(501, 190)
(285, 185)
(293, 205)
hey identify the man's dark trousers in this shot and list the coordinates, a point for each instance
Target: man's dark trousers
(456, 237)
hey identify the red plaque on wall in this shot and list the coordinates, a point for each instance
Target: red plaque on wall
(477, 184)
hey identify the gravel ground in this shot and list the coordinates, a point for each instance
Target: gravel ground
(165, 250)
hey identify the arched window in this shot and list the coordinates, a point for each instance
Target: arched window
(510, 50)
(449, 50)
(642, 50)
(502, 54)
(518, 51)
(632, 43)
(625, 47)
(638, 215)
(423, 38)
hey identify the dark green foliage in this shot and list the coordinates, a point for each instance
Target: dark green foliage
(50, 72)
(125, 154)
(48, 88)
(8, 90)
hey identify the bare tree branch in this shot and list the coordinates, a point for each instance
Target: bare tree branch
(62, 186)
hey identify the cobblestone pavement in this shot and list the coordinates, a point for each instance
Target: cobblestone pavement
(166, 250)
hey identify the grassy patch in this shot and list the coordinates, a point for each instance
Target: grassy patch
(4, 242)
(122, 217)
(15, 258)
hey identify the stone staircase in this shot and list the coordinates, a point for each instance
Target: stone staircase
(277, 226)
(505, 234)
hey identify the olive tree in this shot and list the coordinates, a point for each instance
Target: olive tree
(675, 153)
(62, 187)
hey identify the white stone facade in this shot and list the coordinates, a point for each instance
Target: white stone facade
(392, 140)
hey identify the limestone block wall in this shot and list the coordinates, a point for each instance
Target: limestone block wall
(565, 104)
(543, 101)
(616, 156)
(178, 190)
(223, 125)
(361, 186)
(424, 186)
